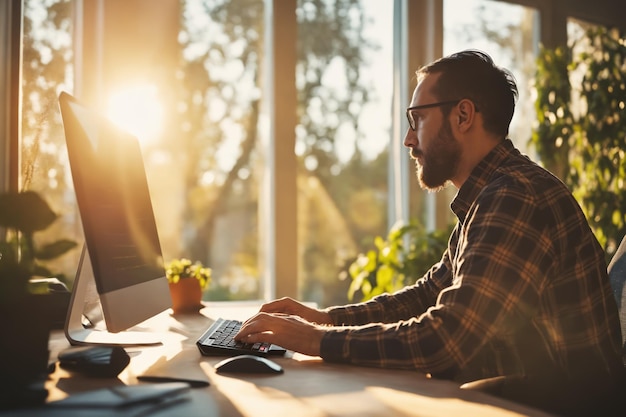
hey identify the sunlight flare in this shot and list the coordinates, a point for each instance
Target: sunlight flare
(138, 110)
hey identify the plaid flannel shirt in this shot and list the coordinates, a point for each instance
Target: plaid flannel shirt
(521, 289)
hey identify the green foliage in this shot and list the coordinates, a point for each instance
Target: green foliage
(330, 36)
(599, 168)
(23, 214)
(183, 268)
(555, 121)
(592, 144)
(408, 252)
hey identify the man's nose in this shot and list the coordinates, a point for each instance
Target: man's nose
(410, 139)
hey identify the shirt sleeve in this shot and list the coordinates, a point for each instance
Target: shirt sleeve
(500, 249)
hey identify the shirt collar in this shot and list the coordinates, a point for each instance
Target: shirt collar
(480, 177)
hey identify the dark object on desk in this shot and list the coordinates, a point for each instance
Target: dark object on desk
(21, 395)
(58, 299)
(193, 383)
(98, 361)
(250, 364)
(218, 340)
(126, 395)
(25, 325)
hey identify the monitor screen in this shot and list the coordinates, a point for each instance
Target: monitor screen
(113, 198)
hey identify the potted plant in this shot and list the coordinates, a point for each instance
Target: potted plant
(187, 280)
(407, 253)
(25, 308)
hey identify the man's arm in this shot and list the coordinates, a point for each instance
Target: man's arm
(295, 326)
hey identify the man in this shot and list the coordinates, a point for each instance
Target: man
(522, 291)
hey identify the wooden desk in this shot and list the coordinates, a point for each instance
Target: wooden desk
(308, 387)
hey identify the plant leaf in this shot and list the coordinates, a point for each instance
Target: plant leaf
(25, 211)
(55, 249)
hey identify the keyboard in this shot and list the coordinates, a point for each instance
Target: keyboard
(218, 340)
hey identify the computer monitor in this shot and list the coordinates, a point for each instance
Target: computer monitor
(120, 278)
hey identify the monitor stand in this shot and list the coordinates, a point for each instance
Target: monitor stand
(84, 315)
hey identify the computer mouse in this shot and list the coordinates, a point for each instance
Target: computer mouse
(248, 364)
(98, 361)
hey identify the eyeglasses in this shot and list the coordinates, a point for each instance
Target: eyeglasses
(409, 110)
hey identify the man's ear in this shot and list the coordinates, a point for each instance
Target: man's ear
(465, 116)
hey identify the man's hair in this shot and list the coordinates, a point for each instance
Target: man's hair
(473, 75)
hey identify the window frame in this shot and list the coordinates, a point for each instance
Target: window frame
(10, 98)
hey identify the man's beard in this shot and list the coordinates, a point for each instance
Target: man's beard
(438, 163)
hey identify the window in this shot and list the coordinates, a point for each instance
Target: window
(196, 71)
(343, 134)
(507, 32)
(47, 70)
(199, 119)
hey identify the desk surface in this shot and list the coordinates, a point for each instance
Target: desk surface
(308, 387)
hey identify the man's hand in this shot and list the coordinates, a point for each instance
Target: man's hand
(290, 306)
(288, 331)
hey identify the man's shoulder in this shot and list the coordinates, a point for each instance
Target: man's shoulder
(507, 178)
(518, 172)
(525, 184)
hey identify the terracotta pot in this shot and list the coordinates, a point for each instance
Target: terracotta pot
(186, 295)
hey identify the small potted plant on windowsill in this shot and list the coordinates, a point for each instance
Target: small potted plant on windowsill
(26, 315)
(187, 281)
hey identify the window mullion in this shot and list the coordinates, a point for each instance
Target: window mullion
(10, 92)
(278, 220)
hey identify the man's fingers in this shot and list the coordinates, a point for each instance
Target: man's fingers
(254, 324)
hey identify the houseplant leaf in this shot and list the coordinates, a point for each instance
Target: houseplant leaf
(25, 211)
(54, 249)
